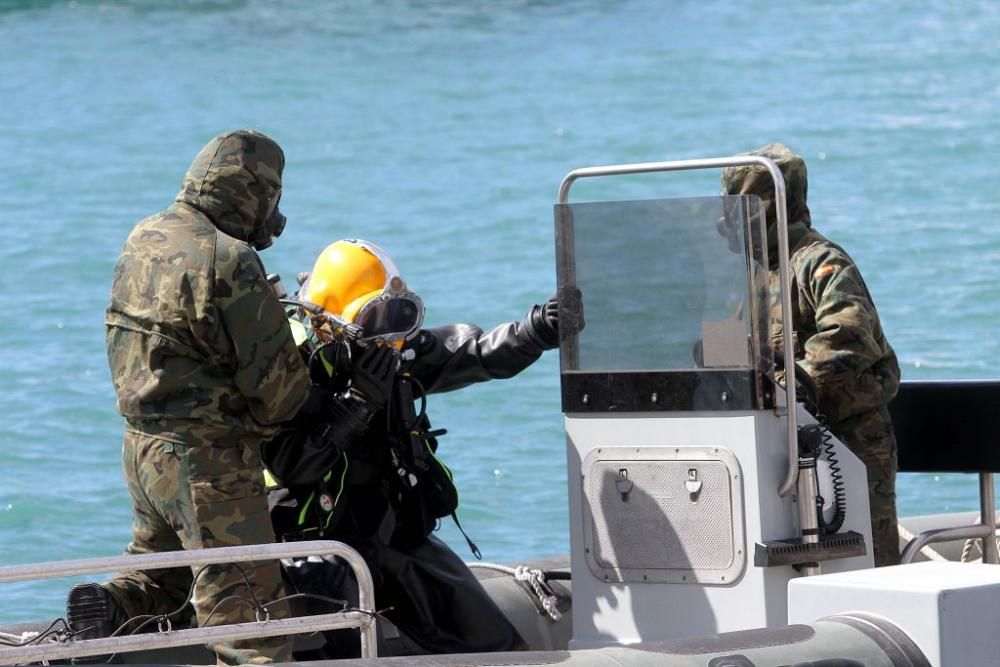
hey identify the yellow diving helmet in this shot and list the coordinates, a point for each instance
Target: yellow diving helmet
(357, 282)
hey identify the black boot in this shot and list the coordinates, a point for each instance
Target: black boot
(94, 613)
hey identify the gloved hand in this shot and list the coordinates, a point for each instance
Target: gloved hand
(543, 323)
(547, 317)
(573, 305)
(316, 403)
(373, 373)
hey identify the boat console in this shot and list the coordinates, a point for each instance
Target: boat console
(685, 489)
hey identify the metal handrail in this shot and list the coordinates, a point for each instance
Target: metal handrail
(781, 211)
(984, 530)
(364, 620)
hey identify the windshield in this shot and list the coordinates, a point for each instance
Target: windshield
(665, 284)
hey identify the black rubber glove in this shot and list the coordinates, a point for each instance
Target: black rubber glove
(548, 314)
(315, 405)
(542, 323)
(373, 373)
(572, 300)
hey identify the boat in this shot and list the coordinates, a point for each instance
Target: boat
(714, 521)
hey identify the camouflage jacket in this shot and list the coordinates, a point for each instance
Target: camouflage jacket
(199, 346)
(838, 337)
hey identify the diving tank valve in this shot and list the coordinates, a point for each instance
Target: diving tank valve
(274, 280)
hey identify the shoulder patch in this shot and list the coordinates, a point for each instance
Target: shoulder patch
(824, 270)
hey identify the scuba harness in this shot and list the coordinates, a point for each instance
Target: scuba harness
(426, 491)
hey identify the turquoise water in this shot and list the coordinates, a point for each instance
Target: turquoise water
(441, 130)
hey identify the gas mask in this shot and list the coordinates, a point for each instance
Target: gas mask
(272, 228)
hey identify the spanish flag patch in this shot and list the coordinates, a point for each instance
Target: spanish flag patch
(824, 271)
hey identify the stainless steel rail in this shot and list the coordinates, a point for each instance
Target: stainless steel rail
(984, 530)
(791, 475)
(365, 622)
(988, 516)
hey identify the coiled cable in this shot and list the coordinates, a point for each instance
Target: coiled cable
(809, 396)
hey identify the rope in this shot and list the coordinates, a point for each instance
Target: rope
(967, 550)
(535, 578)
(974, 542)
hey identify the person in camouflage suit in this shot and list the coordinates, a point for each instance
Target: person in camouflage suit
(837, 335)
(205, 368)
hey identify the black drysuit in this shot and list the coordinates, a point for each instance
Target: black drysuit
(350, 490)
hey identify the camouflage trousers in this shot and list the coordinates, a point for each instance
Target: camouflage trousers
(870, 436)
(196, 498)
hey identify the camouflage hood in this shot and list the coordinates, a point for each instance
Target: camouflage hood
(233, 180)
(756, 180)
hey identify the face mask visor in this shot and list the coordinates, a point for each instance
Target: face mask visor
(391, 317)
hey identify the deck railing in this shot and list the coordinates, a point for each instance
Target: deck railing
(166, 637)
(951, 426)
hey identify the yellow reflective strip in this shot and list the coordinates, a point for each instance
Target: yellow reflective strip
(305, 506)
(299, 332)
(447, 471)
(446, 468)
(269, 479)
(336, 500)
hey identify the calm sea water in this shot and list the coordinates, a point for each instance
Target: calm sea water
(441, 130)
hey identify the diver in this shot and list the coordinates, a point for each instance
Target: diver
(838, 337)
(368, 473)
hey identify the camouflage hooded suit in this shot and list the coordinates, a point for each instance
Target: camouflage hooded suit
(204, 367)
(838, 337)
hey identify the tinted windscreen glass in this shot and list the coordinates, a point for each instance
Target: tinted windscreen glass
(665, 284)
